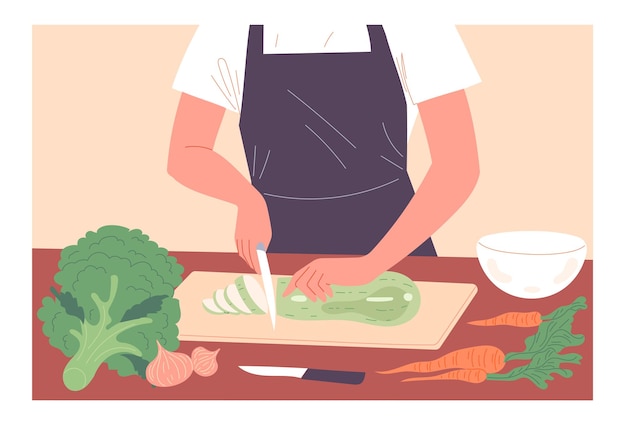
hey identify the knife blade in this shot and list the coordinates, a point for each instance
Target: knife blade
(268, 285)
(333, 376)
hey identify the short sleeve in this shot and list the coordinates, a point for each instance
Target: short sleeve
(432, 59)
(213, 65)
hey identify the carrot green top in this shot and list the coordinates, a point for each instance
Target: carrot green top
(544, 347)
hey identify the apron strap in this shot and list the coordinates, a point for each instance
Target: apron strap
(378, 40)
(255, 41)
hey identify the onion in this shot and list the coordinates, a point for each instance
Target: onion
(204, 361)
(168, 369)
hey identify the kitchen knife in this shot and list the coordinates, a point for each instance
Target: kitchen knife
(346, 377)
(268, 285)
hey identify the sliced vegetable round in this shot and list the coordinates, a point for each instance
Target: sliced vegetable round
(210, 306)
(252, 294)
(233, 298)
(221, 302)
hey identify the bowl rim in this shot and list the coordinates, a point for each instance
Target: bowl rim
(512, 252)
(533, 254)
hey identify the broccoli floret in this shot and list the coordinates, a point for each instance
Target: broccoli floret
(116, 301)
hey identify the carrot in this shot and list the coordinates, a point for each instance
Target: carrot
(474, 375)
(512, 318)
(488, 358)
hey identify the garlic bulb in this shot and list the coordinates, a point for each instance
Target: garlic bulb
(204, 361)
(168, 368)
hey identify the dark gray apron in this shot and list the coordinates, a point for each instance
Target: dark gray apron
(325, 140)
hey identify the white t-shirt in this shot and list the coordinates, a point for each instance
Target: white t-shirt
(431, 58)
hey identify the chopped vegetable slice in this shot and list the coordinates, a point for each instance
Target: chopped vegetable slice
(221, 302)
(252, 294)
(210, 306)
(233, 297)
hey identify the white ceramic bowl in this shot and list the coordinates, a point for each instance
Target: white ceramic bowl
(531, 264)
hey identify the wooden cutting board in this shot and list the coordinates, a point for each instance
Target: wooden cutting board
(442, 304)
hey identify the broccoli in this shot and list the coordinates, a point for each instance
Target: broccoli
(115, 302)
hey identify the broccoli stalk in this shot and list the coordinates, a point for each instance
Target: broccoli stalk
(98, 342)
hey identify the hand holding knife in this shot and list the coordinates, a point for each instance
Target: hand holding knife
(346, 377)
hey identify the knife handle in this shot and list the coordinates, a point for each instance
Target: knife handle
(347, 377)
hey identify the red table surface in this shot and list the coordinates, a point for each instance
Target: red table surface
(230, 383)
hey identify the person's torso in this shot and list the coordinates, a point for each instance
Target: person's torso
(325, 140)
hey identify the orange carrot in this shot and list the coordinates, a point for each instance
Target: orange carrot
(512, 318)
(488, 358)
(474, 375)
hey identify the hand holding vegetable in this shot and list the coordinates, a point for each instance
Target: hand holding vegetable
(314, 279)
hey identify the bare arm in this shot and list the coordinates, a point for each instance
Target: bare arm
(193, 162)
(448, 183)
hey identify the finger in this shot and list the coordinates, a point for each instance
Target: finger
(242, 250)
(247, 254)
(292, 283)
(290, 287)
(315, 284)
(239, 244)
(301, 279)
(254, 257)
(325, 286)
